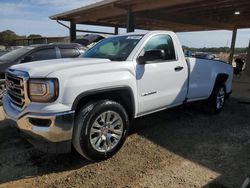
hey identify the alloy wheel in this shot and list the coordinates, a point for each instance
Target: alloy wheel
(106, 131)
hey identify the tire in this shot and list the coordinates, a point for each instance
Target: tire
(217, 100)
(2, 91)
(100, 130)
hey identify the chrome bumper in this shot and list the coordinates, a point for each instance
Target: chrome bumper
(58, 129)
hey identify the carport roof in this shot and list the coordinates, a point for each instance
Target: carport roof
(176, 15)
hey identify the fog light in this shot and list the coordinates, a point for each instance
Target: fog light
(40, 122)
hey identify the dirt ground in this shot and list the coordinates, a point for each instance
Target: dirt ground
(181, 147)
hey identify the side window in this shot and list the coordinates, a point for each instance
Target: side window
(69, 52)
(162, 42)
(44, 54)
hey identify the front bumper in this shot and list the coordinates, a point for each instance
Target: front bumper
(51, 132)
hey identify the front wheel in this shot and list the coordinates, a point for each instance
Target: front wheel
(100, 129)
(217, 100)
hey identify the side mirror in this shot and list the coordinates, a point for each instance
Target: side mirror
(151, 55)
(26, 59)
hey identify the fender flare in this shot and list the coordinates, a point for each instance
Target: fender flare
(105, 90)
(221, 78)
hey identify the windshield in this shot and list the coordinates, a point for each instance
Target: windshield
(15, 54)
(115, 48)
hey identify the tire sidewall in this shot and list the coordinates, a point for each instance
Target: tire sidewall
(86, 123)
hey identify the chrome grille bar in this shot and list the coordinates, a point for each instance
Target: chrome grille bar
(16, 89)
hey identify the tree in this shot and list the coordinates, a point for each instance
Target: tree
(8, 37)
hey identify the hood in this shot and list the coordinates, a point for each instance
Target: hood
(3, 61)
(44, 68)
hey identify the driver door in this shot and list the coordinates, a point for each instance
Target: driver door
(161, 83)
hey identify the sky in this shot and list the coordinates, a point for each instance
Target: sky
(31, 17)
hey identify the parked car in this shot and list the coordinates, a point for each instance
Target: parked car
(3, 52)
(89, 40)
(203, 55)
(35, 53)
(90, 102)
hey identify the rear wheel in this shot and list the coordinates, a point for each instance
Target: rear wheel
(217, 100)
(100, 129)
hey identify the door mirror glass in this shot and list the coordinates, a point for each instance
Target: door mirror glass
(151, 55)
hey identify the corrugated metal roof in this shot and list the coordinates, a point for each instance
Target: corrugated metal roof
(176, 15)
(84, 8)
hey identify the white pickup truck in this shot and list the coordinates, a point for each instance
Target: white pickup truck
(89, 103)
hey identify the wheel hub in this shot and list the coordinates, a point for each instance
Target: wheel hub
(104, 130)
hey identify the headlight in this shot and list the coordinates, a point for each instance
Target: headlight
(43, 90)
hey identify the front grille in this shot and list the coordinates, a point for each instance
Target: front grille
(15, 89)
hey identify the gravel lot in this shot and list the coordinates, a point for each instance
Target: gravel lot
(182, 147)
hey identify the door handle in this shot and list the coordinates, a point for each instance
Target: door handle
(179, 68)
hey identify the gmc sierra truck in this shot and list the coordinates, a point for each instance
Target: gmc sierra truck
(89, 103)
